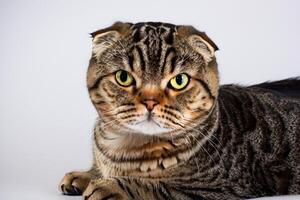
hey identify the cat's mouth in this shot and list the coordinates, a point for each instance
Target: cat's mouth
(148, 126)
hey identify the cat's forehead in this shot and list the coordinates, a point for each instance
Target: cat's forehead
(151, 44)
(153, 30)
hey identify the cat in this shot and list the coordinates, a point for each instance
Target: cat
(167, 130)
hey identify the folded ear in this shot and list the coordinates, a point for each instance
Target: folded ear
(199, 41)
(105, 38)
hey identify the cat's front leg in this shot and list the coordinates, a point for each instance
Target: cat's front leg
(107, 188)
(75, 183)
(123, 188)
(128, 188)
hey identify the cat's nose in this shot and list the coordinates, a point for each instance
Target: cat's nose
(150, 103)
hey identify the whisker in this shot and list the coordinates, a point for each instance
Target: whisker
(193, 124)
(193, 154)
(209, 140)
(103, 126)
(119, 108)
(202, 148)
(201, 145)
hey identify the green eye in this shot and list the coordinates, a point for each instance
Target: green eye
(179, 82)
(124, 78)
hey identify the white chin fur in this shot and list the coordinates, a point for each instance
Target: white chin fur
(148, 127)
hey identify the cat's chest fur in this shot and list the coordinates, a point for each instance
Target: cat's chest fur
(138, 157)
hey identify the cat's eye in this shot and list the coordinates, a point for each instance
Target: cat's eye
(124, 78)
(179, 82)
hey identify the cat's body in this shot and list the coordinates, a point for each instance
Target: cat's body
(240, 142)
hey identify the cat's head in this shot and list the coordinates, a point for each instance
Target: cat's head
(152, 78)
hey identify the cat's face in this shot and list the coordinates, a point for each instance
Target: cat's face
(152, 78)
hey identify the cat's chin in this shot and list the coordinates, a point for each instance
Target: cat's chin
(148, 127)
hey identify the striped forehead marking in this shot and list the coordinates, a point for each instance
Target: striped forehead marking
(153, 42)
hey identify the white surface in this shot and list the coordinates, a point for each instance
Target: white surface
(46, 118)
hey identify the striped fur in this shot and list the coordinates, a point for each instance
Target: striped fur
(228, 142)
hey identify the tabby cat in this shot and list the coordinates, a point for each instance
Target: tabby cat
(167, 130)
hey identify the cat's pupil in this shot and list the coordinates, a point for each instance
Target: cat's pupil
(179, 79)
(123, 76)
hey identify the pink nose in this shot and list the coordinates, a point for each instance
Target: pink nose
(150, 103)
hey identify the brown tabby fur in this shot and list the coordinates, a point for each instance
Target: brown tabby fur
(227, 142)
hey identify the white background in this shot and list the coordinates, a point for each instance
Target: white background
(46, 118)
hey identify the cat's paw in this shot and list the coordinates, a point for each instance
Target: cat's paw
(107, 189)
(75, 183)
